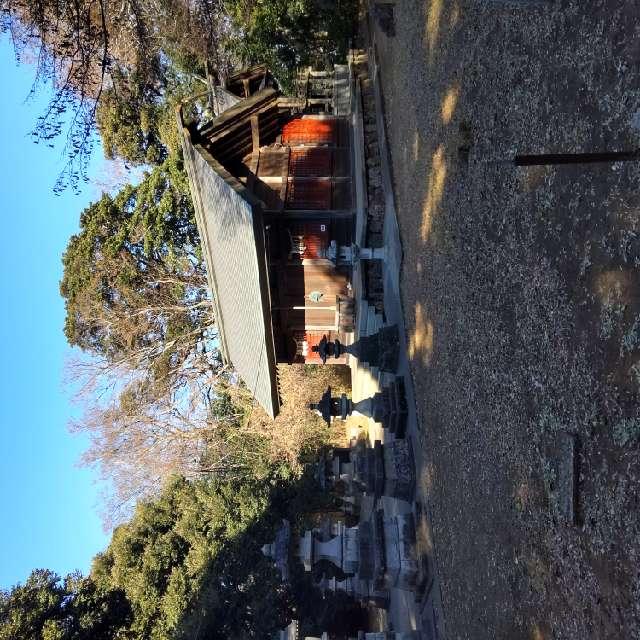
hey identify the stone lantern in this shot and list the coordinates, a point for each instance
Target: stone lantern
(380, 349)
(330, 407)
(388, 407)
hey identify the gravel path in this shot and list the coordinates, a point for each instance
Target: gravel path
(521, 292)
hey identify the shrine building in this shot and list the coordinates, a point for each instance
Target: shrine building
(274, 182)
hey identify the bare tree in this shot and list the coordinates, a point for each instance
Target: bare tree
(140, 432)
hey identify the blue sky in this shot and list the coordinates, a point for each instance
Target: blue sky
(49, 505)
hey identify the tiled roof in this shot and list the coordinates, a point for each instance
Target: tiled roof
(230, 224)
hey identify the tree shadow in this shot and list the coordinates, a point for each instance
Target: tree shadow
(243, 595)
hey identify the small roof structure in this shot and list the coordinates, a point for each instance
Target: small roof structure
(229, 219)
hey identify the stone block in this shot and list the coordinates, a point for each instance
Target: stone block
(366, 553)
(398, 410)
(375, 177)
(407, 551)
(400, 555)
(399, 470)
(379, 550)
(375, 225)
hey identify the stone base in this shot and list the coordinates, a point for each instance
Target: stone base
(371, 551)
(367, 594)
(390, 407)
(379, 350)
(399, 470)
(369, 468)
(401, 569)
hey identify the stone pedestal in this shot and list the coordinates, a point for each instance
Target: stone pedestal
(357, 588)
(381, 349)
(401, 568)
(399, 470)
(382, 470)
(341, 550)
(371, 551)
(368, 467)
(333, 585)
(388, 407)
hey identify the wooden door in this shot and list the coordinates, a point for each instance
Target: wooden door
(311, 296)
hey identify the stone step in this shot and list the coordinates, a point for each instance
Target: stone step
(362, 318)
(371, 320)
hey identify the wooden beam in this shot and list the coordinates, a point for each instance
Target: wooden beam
(285, 176)
(253, 170)
(255, 133)
(313, 213)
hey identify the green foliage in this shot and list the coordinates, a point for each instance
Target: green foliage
(132, 276)
(187, 565)
(46, 608)
(128, 129)
(286, 35)
(25, 610)
(137, 121)
(191, 560)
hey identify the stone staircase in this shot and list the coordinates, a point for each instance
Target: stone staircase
(369, 322)
(370, 319)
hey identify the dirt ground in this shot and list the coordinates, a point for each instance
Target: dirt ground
(521, 291)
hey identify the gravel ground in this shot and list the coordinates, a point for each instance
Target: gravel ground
(521, 293)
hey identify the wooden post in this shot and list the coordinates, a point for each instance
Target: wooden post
(255, 133)
(285, 179)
